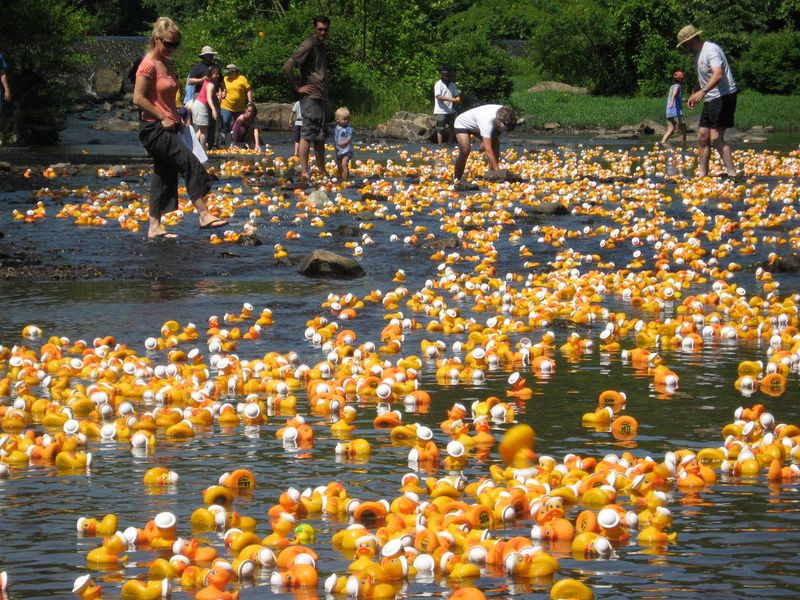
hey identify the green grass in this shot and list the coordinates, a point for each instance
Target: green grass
(523, 74)
(590, 112)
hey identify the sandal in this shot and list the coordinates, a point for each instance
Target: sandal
(214, 224)
(164, 235)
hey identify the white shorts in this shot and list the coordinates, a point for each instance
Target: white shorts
(200, 114)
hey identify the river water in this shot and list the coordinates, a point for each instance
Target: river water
(737, 538)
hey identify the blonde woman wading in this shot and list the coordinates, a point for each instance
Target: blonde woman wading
(154, 93)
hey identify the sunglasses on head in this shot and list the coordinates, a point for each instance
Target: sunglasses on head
(168, 44)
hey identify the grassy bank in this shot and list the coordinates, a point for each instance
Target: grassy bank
(591, 112)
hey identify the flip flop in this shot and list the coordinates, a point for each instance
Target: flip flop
(216, 223)
(164, 235)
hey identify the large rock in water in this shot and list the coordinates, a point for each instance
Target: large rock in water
(548, 208)
(650, 127)
(115, 124)
(323, 263)
(413, 127)
(274, 116)
(789, 263)
(107, 84)
(557, 86)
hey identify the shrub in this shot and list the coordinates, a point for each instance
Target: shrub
(581, 45)
(482, 71)
(495, 19)
(772, 64)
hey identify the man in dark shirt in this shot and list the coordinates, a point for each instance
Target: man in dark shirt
(312, 61)
(196, 76)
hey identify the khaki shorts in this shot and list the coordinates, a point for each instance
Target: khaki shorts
(445, 122)
(200, 114)
(315, 126)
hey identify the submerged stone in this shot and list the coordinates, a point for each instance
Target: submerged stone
(324, 263)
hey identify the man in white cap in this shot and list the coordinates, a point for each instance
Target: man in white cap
(195, 79)
(717, 89)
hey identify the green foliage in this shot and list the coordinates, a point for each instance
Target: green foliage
(40, 39)
(585, 112)
(627, 47)
(772, 64)
(579, 43)
(482, 71)
(730, 23)
(179, 11)
(647, 29)
(221, 25)
(495, 19)
(380, 61)
(119, 17)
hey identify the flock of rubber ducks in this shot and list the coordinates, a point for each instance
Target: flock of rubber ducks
(58, 397)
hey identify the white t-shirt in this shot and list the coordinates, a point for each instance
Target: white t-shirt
(298, 115)
(442, 107)
(479, 119)
(711, 55)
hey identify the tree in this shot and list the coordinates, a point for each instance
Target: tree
(179, 11)
(40, 39)
(482, 70)
(578, 42)
(494, 19)
(118, 17)
(772, 64)
(647, 29)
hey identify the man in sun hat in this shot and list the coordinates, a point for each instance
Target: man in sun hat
(198, 71)
(717, 89)
(194, 81)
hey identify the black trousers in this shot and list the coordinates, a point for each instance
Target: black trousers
(171, 158)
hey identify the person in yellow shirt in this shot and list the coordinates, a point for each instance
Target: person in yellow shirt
(237, 94)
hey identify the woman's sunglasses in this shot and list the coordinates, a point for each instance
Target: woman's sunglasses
(168, 44)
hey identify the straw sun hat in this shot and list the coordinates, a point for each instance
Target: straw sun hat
(687, 33)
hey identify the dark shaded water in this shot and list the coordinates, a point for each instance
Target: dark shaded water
(738, 538)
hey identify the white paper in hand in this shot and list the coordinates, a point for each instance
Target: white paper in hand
(189, 137)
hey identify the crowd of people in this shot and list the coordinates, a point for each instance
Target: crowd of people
(223, 114)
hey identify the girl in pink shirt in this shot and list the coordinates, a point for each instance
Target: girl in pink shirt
(154, 93)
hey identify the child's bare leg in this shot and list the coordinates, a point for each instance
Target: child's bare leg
(668, 132)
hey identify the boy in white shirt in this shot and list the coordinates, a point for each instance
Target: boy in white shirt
(445, 94)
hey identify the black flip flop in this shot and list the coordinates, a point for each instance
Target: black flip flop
(215, 224)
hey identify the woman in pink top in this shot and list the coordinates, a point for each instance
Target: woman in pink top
(204, 105)
(154, 93)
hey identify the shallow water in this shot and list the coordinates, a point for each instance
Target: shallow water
(738, 538)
